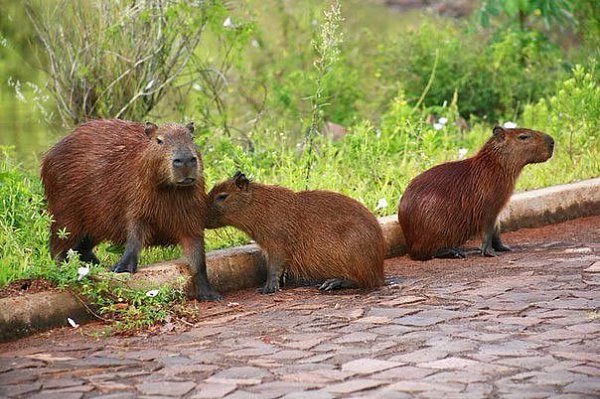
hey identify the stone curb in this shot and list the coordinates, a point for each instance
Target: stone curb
(244, 267)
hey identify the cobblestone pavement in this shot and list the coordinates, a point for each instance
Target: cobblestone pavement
(523, 325)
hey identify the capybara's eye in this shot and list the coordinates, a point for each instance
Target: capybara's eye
(524, 136)
(222, 196)
(159, 140)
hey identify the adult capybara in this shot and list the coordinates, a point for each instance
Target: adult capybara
(129, 183)
(310, 235)
(448, 204)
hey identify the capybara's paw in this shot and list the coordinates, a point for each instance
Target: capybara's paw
(269, 288)
(209, 295)
(489, 252)
(502, 248)
(332, 284)
(451, 253)
(122, 267)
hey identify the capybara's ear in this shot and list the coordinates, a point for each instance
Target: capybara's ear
(190, 128)
(150, 129)
(241, 181)
(498, 131)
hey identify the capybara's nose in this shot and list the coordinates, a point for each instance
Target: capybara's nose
(180, 162)
(550, 141)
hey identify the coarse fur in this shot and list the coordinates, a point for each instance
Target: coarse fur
(448, 204)
(312, 235)
(128, 183)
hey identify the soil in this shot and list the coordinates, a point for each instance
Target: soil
(25, 286)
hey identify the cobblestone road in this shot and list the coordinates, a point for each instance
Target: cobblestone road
(524, 325)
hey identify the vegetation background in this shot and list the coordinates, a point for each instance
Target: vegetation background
(351, 96)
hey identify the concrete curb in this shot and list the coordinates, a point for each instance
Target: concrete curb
(244, 267)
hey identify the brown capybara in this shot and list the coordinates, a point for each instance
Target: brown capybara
(448, 204)
(129, 183)
(310, 235)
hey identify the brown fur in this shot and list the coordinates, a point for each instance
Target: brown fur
(314, 235)
(114, 180)
(448, 204)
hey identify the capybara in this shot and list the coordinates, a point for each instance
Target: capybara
(448, 204)
(128, 183)
(310, 235)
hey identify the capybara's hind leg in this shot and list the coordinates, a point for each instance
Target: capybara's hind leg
(492, 243)
(450, 253)
(337, 283)
(85, 248)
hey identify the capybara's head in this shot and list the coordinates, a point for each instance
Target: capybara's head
(229, 202)
(521, 146)
(172, 148)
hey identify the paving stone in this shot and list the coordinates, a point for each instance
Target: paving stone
(210, 391)
(587, 386)
(421, 355)
(20, 390)
(528, 362)
(368, 366)
(355, 385)
(280, 388)
(240, 375)
(403, 373)
(166, 388)
(62, 383)
(587, 369)
(290, 355)
(56, 395)
(320, 394)
(421, 386)
(356, 337)
(594, 268)
(251, 352)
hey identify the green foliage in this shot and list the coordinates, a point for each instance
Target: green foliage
(519, 11)
(91, 77)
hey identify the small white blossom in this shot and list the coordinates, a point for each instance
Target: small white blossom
(196, 87)
(509, 125)
(152, 293)
(149, 85)
(443, 121)
(71, 253)
(378, 133)
(72, 322)
(255, 43)
(462, 152)
(381, 204)
(82, 272)
(438, 126)
(228, 23)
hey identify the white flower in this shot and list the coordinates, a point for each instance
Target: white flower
(152, 293)
(381, 204)
(438, 126)
(255, 43)
(462, 152)
(71, 253)
(82, 272)
(72, 322)
(228, 23)
(196, 87)
(509, 125)
(378, 133)
(443, 121)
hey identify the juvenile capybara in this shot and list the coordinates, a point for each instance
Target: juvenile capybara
(128, 183)
(448, 204)
(311, 235)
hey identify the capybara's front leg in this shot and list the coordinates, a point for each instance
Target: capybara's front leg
(497, 243)
(274, 270)
(194, 251)
(135, 240)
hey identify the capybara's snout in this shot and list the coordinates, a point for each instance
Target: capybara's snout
(184, 166)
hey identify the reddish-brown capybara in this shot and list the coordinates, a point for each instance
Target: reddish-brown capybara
(129, 183)
(310, 235)
(448, 204)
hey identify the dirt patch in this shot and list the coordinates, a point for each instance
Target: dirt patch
(26, 286)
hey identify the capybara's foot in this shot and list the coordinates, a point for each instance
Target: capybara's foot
(488, 251)
(208, 295)
(89, 257)
(336, 284)
(124, 267)
(450, 253)
(500, 247)
(270, 287)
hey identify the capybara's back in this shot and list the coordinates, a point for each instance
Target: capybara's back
(312, 235)
(448, 204)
